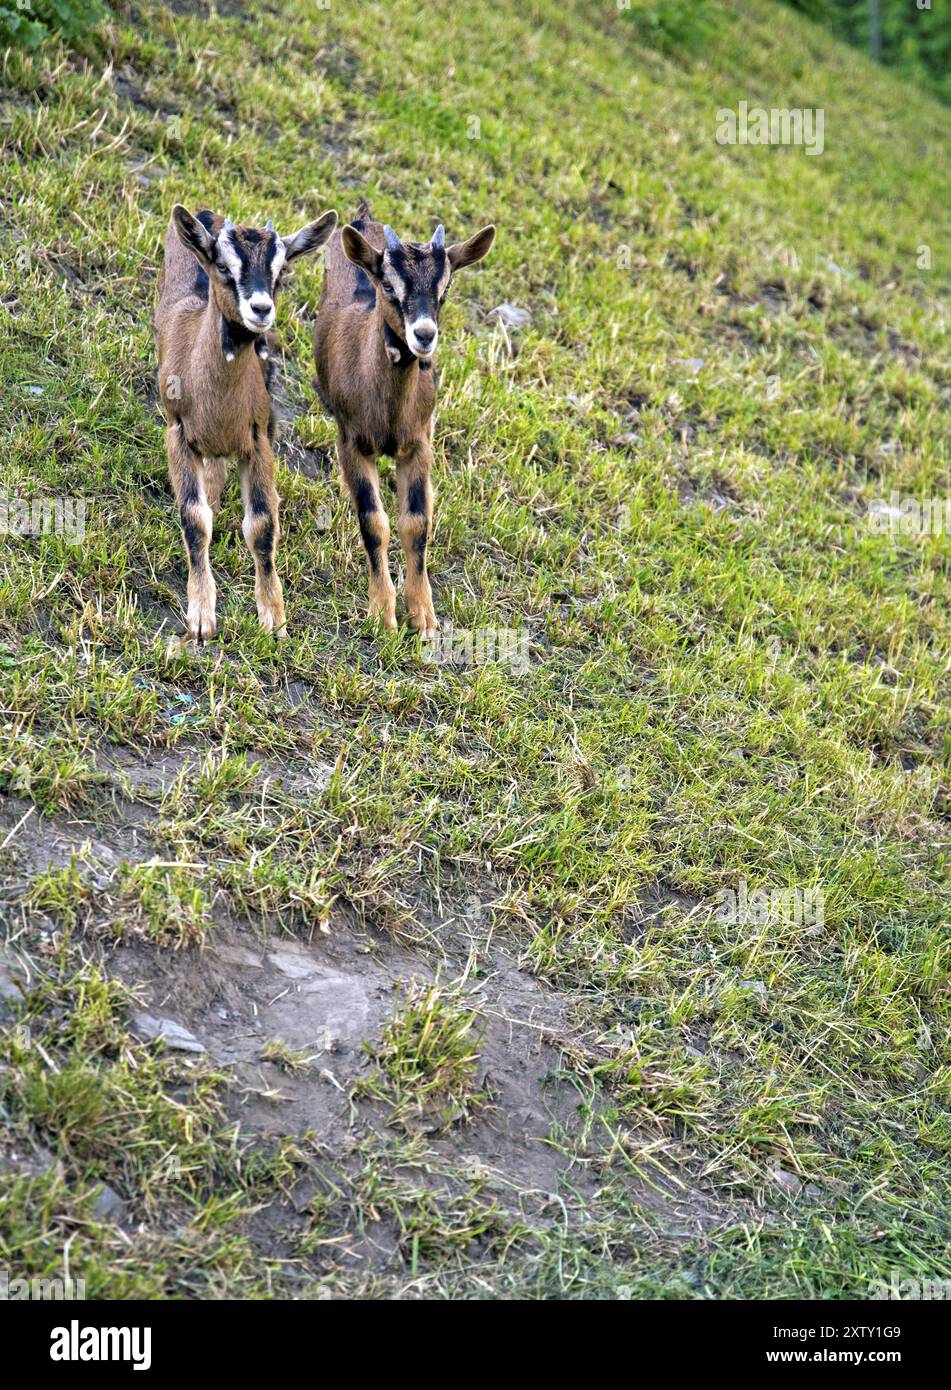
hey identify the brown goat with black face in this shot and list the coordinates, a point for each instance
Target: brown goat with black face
(374, 344)
(217, 291)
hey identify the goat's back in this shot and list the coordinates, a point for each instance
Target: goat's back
(344, 282)
(348, 295)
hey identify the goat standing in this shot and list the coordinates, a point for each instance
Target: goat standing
(373, 343)
(217, 293)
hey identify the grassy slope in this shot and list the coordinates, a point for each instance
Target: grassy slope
(732, 676)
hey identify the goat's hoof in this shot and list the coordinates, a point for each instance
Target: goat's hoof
(383, 611)
(273, 620)
(201, 626)
(424, 623)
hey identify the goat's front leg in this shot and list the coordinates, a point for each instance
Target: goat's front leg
(188, 484)
(362, 479)
(261, 529)
(415, 492)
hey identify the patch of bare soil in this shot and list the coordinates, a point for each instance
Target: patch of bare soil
(252, 997)
(135, 776)
(32, 843)
(325, 999)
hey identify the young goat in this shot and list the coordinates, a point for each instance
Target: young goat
(211, 328)
(373, 344)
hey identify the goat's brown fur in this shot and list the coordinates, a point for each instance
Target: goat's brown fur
(213, 382)
(382, 394)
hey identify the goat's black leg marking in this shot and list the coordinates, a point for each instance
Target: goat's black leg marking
(416, 506)
(187, 477)
(415, 526)
(365, 500)
(362, 480)
(261, 529)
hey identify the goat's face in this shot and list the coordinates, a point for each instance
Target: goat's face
(244, 264)
(412, 279)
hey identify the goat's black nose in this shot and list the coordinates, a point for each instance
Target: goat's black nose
(424, 336)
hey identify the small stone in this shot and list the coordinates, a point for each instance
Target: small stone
(511, 315)
(108, 1206)
(754, 987)
(35, 1164)
(145, 172)
(293, 964)
(836, 269)
(785, 1181)
(10, 984)
(693, 364)
(322, 776)
(173, 1034)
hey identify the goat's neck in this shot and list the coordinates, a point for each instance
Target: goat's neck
(211, 345)
(403, 375)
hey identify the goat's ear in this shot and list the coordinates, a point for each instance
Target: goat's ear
(192, 234)
(357, 249)
(311, 237)
(468, 252)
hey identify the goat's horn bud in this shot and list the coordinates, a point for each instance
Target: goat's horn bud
(439, 237)
(392, 240)
(269, 226)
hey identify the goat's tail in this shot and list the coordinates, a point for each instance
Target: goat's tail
(363, 212)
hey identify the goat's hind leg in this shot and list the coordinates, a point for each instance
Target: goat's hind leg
(216, 473)
(188, 484)
(261, 530)
(361, 476)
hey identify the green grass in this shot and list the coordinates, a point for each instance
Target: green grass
(732, 675)
(109, 1111)
(427, 1059)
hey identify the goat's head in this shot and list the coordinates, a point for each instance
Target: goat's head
(412, 279)
(244, 264)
